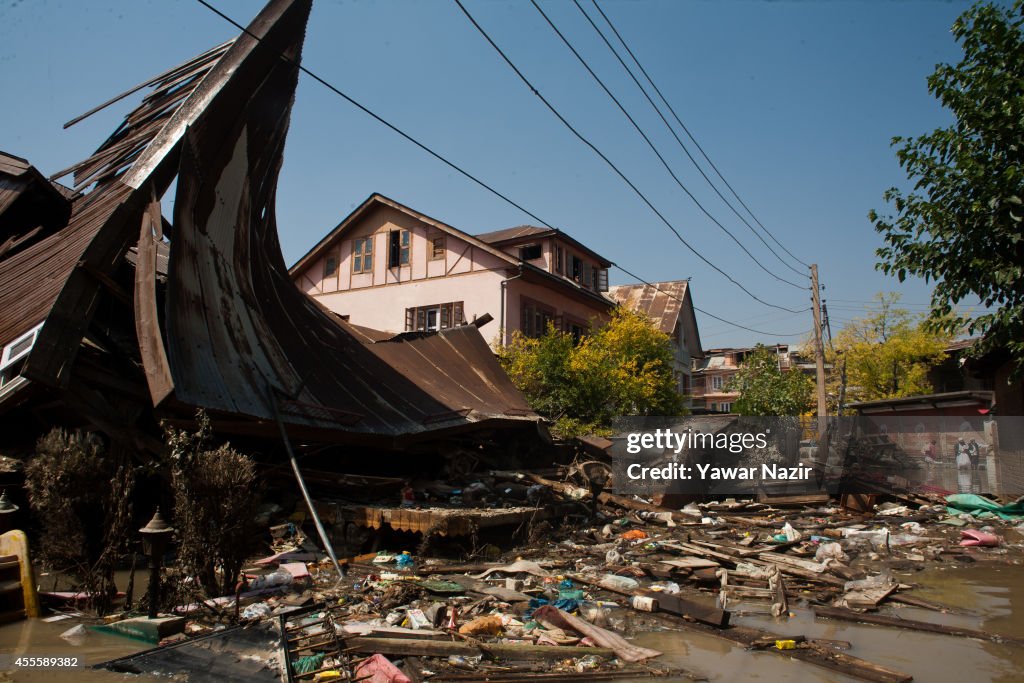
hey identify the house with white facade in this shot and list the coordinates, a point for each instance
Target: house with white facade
(389, 267)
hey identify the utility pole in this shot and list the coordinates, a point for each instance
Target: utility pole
(819, 359)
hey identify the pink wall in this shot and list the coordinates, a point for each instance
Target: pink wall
(562, 304)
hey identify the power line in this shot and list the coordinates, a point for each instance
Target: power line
(690, 135)
(654, 149)
(682, 146)
(611, 164)
(710, 315)
(453, 165)
(379, 118)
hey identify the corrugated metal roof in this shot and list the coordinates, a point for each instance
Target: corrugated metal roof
(241, 336)
(662, 302)
(517, 232)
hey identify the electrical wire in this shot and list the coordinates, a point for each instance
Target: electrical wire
(658, 154)
(710, 315)
(469, 175)
(682, 146)
(609, 162)
(690, 135)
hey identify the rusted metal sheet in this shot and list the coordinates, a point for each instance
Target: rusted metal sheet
(147, 317)
(661, 302)
(238, 329)
(240, 337)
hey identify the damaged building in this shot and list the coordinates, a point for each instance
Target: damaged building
(116, 318)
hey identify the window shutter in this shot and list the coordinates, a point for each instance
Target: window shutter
(410, 319)
(587, 280)
(421, 319)
(602, 279)
(458, 316)
(446, 316)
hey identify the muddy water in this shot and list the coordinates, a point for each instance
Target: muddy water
(994, 595)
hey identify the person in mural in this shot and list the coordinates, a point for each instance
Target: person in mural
(974, 454)
(963, 460)
(929, 452)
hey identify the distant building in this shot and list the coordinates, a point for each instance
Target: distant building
(390, 267)
(713, 373)
(669, 307)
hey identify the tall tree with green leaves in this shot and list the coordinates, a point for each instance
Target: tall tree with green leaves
(623, 368)
(887, 353)
(962, 226)
(766, 389)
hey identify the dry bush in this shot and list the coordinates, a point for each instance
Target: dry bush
(215, 497)
(80, 496)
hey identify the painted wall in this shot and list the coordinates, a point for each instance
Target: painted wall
(561, 305)
(459, 257)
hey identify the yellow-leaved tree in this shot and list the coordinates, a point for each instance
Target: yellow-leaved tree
(887, 353)
(623, 368)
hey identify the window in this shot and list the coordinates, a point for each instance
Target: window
(601, 279)
(576, 268)
(577, 330)
(434, 317)
(362, 254)
(535, 319)
(559, 260)
(530, 252)
(398, 248)
(714, 406)
(716, 382)
(437, 248)
(330, 266)
(725, 407)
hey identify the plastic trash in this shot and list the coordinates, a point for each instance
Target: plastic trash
(785, 644)
(666, 587)
(613, 557)
(973, 538)
(75, 635)
(404, 561)
(877, 581)
(588, 663)
(616, 582)
(634, 535)
(831, 551)
(791, 533)
(257, 610)
(489, 624)
(278, 577)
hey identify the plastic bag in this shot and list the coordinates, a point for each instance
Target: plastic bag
(831, 551)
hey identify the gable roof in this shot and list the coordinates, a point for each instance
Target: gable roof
(376, 200)
(525, 233)
(667, 304)
(508, 234)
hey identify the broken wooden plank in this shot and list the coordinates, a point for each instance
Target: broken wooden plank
(911, 624)
(434, 648)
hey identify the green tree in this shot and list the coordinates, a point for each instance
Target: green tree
(961, 225)
(887, 353)
(623, 368)
(766, 389)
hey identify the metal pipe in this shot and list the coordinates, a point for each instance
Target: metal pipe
(501, 315)
(302, 486)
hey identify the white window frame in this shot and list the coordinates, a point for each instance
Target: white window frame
(6, 359)
(717, 382)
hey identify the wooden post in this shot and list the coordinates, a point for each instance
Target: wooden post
(819, 361)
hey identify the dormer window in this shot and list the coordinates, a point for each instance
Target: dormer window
(530, 252)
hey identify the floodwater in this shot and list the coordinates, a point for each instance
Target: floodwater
(993, 594)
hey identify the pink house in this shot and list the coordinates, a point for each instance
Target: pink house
(389, 267)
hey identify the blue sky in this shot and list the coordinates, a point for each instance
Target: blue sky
(795, 102)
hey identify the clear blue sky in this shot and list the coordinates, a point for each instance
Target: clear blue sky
(795, 102)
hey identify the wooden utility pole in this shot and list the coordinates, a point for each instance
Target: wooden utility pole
(819, 361)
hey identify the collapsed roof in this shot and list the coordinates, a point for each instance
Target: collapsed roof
(225, 329)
